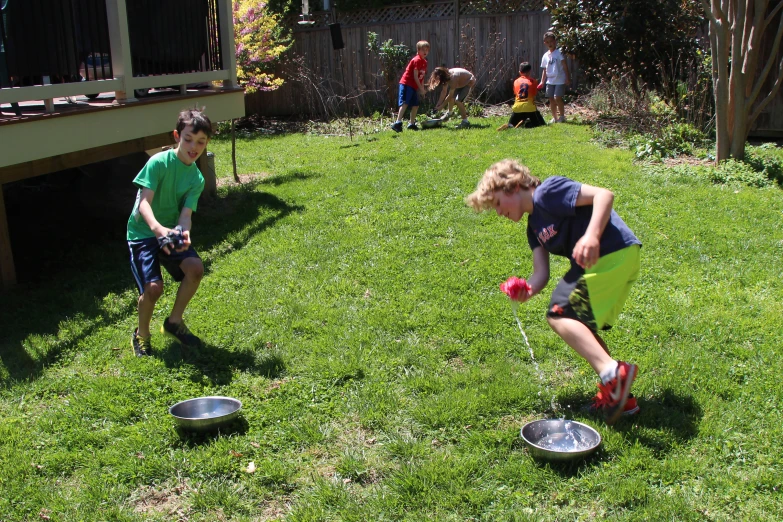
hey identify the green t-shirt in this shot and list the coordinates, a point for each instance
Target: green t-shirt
(176, 186)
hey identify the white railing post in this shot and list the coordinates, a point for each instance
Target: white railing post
(119, 38)
(48, 102)
(227, 47)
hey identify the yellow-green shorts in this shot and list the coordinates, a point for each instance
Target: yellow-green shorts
(596, 296)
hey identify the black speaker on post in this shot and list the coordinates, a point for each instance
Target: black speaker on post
(337, 36)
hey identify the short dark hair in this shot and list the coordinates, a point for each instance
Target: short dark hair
(196, 119)
(525, 67)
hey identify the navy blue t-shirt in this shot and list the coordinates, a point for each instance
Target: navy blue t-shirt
(557, 223)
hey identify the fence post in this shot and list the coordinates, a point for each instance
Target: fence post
(456, 32)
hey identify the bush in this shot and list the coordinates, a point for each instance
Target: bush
(768, 159)
(732, 172)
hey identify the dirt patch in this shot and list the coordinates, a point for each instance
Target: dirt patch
(275, 509)
(687, 160)
(243, 179)
(169, 501)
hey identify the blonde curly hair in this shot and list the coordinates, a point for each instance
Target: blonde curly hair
(506, 175)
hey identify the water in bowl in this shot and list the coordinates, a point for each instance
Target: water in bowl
(570, 440)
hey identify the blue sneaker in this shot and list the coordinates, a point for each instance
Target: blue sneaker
(396, 126)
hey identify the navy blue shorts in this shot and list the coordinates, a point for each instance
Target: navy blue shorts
(146, 257)
(408, 96)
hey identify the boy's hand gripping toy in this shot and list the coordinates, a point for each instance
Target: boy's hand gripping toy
(173, 239)
(516, 289)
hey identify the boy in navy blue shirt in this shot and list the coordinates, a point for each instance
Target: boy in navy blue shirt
(576, 221)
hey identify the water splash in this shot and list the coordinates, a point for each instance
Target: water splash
(553, 403)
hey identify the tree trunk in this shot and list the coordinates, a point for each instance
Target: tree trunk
(736, 32)
(234, 150)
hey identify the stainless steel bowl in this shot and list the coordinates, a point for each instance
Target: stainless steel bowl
(205, 413)
(560, 439)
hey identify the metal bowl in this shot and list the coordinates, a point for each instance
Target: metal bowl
(431, 123)
(205, 413)
(560, 439)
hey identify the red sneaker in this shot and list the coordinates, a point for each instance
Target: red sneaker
(599, 404)
(617, 390)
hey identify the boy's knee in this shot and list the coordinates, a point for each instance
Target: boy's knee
(193, 268)
(153, 290)
(552, 321)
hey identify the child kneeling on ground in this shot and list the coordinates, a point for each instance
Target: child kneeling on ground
(573, 220)
(524, 108)
(159, 229)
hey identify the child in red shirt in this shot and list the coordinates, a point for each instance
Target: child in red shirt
(412, 86)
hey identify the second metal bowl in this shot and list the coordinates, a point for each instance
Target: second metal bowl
(205, 413)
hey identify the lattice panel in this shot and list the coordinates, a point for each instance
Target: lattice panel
(494, 7)
(414, 12)
(399, 13)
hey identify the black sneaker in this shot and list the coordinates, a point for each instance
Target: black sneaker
(411, 126)
(180, 333)
(397, 126)
(141, 345)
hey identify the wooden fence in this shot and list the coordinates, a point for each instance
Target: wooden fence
(488, 37)
(489, 41)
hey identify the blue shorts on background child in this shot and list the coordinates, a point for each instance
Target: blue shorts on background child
(412, 86)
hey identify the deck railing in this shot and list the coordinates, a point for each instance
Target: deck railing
(58, 48)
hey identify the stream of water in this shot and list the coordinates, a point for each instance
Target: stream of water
(553, 403)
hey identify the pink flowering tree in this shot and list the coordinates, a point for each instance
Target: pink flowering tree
(260, 41)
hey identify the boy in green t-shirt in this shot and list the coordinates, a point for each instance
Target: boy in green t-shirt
(159, 229)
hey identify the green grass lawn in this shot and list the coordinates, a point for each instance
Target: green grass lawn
(351, 303)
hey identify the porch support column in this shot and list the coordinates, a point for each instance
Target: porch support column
(7, 270)
(119, 39)
(227, 47)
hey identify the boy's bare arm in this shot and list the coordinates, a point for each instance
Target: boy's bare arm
(540, 276)
(419, 85)
(185, 222)
(442, 98)
(568, 75)
(587, 249)
(543, 80)
(145, 209)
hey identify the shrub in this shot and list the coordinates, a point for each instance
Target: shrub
(768, 159)
(732, 172)
(393, 58)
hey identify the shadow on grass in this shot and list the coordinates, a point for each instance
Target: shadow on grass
(80, 272)
(192, 439)
(664, 421)
(472, 126)
(218, 364)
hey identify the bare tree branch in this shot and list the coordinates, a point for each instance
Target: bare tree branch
(772, 15)
(767, 68)
(769, 98)
(708, 11)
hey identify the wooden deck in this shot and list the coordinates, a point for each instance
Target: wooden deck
(80, 131)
